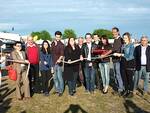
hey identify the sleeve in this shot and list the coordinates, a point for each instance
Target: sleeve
(117, 46)
(130, 52)
(66, 54)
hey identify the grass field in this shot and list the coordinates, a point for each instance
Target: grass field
(80, 103)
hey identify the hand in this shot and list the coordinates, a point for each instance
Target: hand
(69, 61)
(52, 70)
(27, 61)
(45, 63)
(117, 54)
(81, 58)
(103, 56)
(90, 64)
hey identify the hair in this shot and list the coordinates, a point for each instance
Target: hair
(95, 34)
(105, 37)
(144, 36)
(128, 35)
(115, 28)
(88, 34)
(43, 49)
(69, 46)
(17, 42)
(58, 33)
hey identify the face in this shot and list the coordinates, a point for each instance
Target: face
(71, 41)
(144, 41)
(95, 37)
(45, 45)
(57, 37)
(88, 38)
(104, 41)
(115, 33)
(126, 39)
(80, 41)
(18, 46)
(30, 40)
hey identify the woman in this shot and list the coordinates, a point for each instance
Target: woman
(128, 64)
(20, 66)
(71, 71)
(45, 66)
(104, 64)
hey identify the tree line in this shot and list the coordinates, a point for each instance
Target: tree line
(45, 35)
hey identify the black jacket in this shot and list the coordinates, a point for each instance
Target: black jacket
(137, 55)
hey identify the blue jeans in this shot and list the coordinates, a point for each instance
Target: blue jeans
(58, 80)
(89, 77)
(118, 76)
(138, 75)
(105, 69)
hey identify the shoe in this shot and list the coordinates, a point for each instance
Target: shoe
(74, 91)
(46, 94)
(120, 93)
(130, 95)
(55, 92)
(60, 94)
(71, 94)
(27, 98)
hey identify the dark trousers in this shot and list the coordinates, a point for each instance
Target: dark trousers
(72, 83)
(34, 78)
(127, 72)
(46, 76)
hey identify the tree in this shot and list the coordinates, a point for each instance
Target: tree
(101, 32)
(44, 35)
(69, 33)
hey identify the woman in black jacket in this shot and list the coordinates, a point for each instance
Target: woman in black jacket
(71, 71)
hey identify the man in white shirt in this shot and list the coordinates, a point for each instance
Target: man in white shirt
(142, 59)
(86, 52)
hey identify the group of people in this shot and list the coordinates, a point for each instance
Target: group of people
(85, 62)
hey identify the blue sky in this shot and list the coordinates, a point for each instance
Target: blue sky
(81, 15)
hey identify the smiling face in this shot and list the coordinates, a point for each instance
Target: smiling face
(126, 39)
(88, 38)
(18, 47)
(45, 45)
(71, 41)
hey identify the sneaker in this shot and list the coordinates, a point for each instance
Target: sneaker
(60, 94)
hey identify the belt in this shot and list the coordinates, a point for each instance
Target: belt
(143, 65)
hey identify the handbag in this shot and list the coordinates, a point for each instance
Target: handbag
(12, 74)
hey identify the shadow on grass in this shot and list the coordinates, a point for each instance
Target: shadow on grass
(133, 108)
(4, 100)
(74, 108)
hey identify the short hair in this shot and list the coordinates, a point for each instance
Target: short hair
(17, 42)
(88, 34)
(144, 36)
(115, 28)
(58, 33)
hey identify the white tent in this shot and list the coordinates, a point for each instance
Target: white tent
(10, 36)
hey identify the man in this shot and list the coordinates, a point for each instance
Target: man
(116, 60)
(32, 52)
(89, 70)
(57, 56)
(142, 59)
(97, 43)
(81, 77)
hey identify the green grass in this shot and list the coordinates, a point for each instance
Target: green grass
(80, 103)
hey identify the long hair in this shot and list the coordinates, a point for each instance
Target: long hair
(43, 49)
(105, 37)
(69, 46)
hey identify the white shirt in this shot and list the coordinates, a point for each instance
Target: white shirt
(89, 53)
(143, 55)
